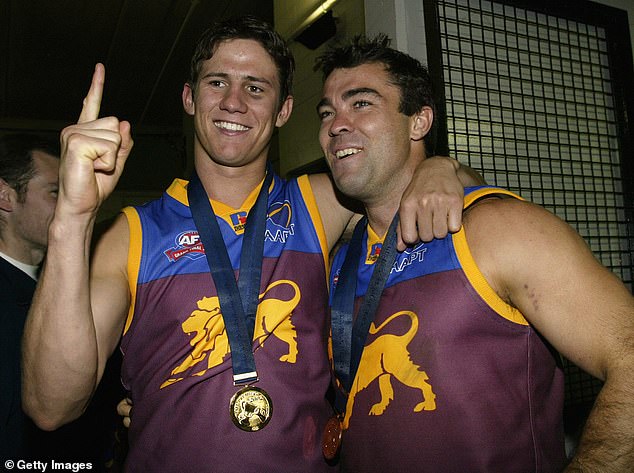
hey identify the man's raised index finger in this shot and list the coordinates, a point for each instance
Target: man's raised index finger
(92, 102)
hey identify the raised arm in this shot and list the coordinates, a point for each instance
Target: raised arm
(540, 265)
(430, 208)
(77, 313)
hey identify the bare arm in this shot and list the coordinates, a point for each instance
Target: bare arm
(430, 208)
(539, 264)
(77, 314)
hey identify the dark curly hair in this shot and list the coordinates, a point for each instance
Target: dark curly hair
(407, 73)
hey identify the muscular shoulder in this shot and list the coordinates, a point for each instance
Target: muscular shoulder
(511, 240)
(510, 216)
(541, 266)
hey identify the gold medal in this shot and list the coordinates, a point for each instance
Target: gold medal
(331, 440)
(251, 409)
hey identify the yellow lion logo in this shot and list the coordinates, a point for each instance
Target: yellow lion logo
(387, 357)
(210, 339)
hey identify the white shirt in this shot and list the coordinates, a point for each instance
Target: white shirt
(25, 268)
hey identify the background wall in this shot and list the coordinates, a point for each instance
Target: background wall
(399, 19)
(298, 144)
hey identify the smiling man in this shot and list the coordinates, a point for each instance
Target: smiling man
(446, 361)
(224, 376)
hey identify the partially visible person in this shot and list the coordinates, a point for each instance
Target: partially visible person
(150, 282)
(28, 192)
(456, 368)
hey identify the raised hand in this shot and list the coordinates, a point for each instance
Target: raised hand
(94, 152)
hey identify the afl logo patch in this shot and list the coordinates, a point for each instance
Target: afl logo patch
(188, 245)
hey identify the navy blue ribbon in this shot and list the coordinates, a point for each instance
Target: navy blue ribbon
(348, 337)
(238, 301)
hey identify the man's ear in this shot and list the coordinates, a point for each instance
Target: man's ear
(421, 123)
(188, 99)
(8, 196)
(285, 112)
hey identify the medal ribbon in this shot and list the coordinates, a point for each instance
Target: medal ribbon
(238, 300)
(348, 337)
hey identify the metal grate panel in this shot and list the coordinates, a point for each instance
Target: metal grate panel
(529, 103)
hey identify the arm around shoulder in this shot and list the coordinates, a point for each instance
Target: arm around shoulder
(431, 206)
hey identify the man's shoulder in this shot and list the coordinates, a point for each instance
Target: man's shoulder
(507, 225)
(294, 189)
(500, 205)
(475, 194)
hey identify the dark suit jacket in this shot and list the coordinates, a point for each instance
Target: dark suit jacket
(16, 292)
(86, 440)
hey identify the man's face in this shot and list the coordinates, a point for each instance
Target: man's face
(235, 106)
(32, 215)
(364, 137)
